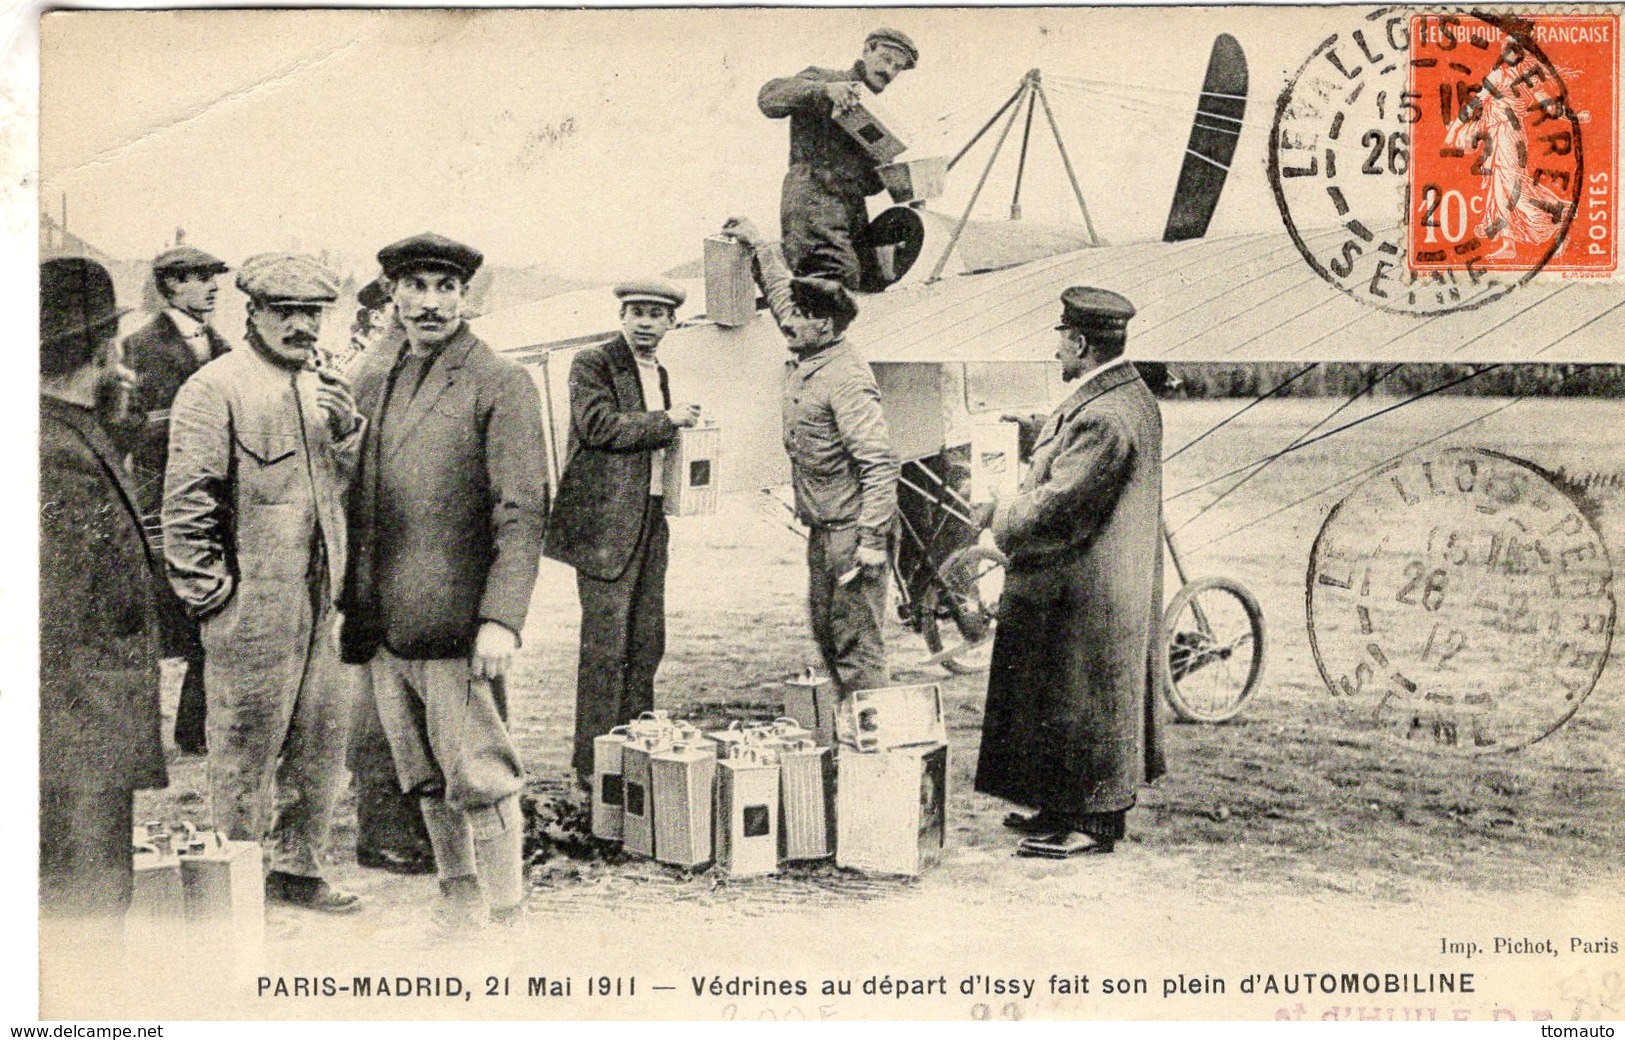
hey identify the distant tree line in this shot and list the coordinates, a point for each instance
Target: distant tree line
(1199, 381)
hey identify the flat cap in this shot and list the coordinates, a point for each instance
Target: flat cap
(896, 38)
(823, 298)
(433, 251)
(287, 278)
(1094, 310)
(188, 258)
(651, 290)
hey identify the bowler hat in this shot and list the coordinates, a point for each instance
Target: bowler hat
(651, 290)
(895, 38)
(77, 311)
(188, 258)
(823, 298)
(1094, 310)
(432, 251)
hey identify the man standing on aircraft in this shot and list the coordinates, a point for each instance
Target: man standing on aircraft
(1070, 727)
(446, 523)
(164, 353)
(823, 217)
(610, 521)
(843, 465)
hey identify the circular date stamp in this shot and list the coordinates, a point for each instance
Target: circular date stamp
(1461, 600)
(1444, 98)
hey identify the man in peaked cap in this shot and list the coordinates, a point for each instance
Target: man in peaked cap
(164, 353)
(842, 465)
(609, 522)
(824, 218)
(1071, 723)
(98, 707)
(262, 449)
(446, 523)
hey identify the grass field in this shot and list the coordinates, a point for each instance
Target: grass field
(1301, 796)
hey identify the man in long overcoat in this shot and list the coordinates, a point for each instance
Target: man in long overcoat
(1070, 727)
(164, 353)
(825, 221)
(609, 522)
(261, 452)
(98, 714)
(447, 518)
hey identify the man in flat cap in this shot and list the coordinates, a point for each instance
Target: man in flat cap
(823, 215)
(842, 464)
(609, 522)
(164, 353)
(98, 710)
(262, 449)
(446, 523)
(1071, 722)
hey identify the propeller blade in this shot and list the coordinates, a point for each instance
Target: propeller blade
(1213, 142)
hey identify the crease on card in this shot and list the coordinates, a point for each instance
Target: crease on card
(304, 67)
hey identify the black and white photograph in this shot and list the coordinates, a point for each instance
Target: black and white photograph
(816, 514)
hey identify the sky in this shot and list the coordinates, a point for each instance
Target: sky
(601, 144)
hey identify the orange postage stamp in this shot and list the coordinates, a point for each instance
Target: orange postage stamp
(1515, 152)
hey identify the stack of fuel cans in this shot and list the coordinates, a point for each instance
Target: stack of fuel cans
(863, 782)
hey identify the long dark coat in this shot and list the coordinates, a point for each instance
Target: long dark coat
(459, 539)
(99, 717)
(1072, 694)
(597, 522)
(159, 355)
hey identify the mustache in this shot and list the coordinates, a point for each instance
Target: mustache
(431, 315)
(299, 339)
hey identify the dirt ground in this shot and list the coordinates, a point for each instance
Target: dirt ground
(1300, 810)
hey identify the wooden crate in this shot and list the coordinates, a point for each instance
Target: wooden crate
(894, 717)
(891, 809)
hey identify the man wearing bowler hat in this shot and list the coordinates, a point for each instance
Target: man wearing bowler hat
(1070, 728)
(98, 707)
(842, 465)
(261, 452)
(609, 522)
(824, 219)
(164, 353)
(446, 522)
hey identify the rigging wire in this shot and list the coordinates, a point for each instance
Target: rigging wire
(1254, 403)
(1328, 417)
(1334, 431)
(1368, 470)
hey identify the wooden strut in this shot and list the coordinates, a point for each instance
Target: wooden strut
(1021, 163)
(1031, 86)
(1094, 239)
(942, 261)
(985, 126)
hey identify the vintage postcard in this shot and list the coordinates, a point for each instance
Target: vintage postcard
(824, 514)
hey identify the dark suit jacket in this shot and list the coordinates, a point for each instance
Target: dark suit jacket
(99, 718)
(159, 355)
(448, 509)
(603, 498)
